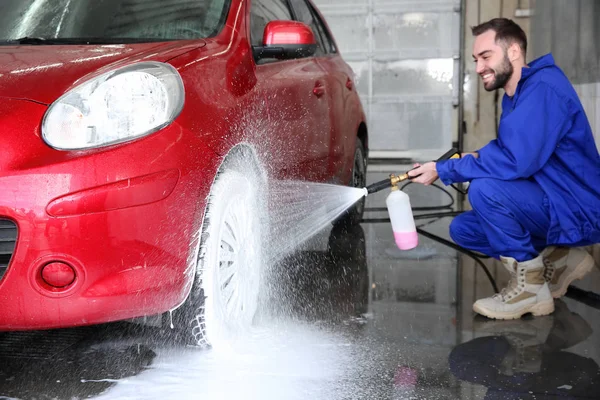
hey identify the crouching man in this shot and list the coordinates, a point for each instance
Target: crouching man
(535, 190)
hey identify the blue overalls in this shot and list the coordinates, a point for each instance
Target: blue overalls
(538, 183)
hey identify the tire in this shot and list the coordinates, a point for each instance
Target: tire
(347, 250)
(347, 243)
(225, 293)
(354, 215)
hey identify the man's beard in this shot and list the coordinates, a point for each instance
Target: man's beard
(502, 75)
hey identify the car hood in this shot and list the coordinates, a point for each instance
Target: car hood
(44, 73)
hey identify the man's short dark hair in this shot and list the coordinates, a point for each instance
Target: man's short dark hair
(506, 31)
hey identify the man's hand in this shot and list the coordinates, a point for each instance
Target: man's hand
(425, 174)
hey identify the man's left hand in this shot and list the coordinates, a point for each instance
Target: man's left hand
(425, 174)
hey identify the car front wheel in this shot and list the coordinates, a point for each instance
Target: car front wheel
(224, 296)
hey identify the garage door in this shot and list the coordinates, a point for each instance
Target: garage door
(405, 56)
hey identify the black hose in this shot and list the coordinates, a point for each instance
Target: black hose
(416, 217)
(375, 187)
(586, 297)
(438, 215)
(475, 256)
(449, 205)
(469, 253)
(378, 186)
(590, 298)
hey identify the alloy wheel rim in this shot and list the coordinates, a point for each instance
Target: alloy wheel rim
(233, 283)
(231, 288)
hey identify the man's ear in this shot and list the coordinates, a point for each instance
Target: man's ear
(514, 51)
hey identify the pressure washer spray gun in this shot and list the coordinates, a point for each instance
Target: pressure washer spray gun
(399, 208)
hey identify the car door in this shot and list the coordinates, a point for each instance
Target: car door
(296, 96)
(339, 85)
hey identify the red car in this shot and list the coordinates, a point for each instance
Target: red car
(138, 138)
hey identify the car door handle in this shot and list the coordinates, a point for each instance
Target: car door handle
(349, 84)
(319, 89)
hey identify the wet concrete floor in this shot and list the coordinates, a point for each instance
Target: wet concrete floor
(354, 318)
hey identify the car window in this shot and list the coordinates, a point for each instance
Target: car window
(264, 11)
(304, 14)
(109, 19)
(325, 35)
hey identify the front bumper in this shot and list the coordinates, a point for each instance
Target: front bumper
(121, 217)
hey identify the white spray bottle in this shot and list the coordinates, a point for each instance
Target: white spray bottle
(401, 217)
(398, 205)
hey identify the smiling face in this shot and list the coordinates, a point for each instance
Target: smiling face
(491, 58)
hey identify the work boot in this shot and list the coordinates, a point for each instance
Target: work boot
(563, 266)
(527, 292)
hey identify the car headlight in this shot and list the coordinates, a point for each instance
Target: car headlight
(117, 106)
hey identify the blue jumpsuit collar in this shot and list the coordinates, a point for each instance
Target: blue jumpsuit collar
(535, 65)
(526, 72)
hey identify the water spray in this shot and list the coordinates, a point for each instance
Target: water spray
(399, 208)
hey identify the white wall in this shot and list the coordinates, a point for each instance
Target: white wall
(403, 53)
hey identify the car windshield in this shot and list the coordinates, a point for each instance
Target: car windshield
(121, 21)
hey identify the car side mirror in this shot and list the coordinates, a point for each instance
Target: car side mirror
(286, 40)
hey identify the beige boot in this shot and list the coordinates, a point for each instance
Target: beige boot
(527, 292)
(563, 266)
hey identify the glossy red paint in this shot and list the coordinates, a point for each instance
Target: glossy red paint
(123, 217)
(43, 73)
(287, 32)
(113, 196)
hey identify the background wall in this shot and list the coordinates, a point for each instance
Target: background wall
(570, 30)
(405, 56)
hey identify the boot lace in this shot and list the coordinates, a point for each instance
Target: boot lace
(548, 270)
(510, 289)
